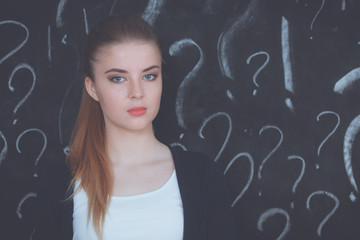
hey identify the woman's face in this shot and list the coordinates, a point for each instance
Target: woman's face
(127, 84)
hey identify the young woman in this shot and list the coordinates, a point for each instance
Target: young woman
(121, 182)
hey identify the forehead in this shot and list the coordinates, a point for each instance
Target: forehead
(128, 53)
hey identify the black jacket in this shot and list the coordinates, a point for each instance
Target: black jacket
(203, 189)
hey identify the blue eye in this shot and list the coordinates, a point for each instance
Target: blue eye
(117, 79)
(150, 77)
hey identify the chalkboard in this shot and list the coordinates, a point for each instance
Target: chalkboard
(267, 88)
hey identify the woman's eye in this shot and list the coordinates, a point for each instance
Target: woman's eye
(150, 77)
(117, 79)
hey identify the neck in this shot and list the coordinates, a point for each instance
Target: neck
(127, 148)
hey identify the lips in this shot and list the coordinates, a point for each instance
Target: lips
(137, 111)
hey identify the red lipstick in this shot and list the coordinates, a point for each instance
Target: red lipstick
(137, 111)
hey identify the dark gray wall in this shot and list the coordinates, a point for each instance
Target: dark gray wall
(267, 88)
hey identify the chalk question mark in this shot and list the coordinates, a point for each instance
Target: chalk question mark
(74, 48)
(206, 121)
(267, 127)
(260, 68)
(272, 151)
(327, 217)
(26, 197)
(293, 157)
(315, 17)
(330, 134)
(271, 212)
(349, 139)
(12, 52)
(4, 150)
(251, 161)
(152, 10)
(22, 101)
(224, 47)
(43, 147)
(175, 50)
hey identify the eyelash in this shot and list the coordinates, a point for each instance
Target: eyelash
(154, 76)
(116, 78)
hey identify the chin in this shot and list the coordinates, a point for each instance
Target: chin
(139, 126)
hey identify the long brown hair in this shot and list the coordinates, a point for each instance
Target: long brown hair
(87, 157)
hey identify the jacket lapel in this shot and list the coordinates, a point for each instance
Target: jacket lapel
(191, 194)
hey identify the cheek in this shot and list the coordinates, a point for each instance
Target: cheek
(157, 93)
(111, 99)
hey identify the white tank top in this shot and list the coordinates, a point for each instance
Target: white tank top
(156, 215)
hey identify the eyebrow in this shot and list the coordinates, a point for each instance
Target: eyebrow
(124, 71)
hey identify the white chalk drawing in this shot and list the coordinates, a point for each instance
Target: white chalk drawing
(174, 50)
(251, 175)
(327, 217)
(32, 234)
(60, 10)
(267, 127)
(176, 144)
(86, 22)
(4, 149)
(152, 10)
(230, 95)
(315, 17)
(27, 95)
(63, 40)
(224, 47)
(348, 82)
(349, 138)
(207, 120)
(13, 51)
(343, 5)
(210, 7)
(293, 189)
(43, 147)
(271, 212)
(287, 61)
(289, 104)
(68, 89)
(49, 44)
(26, 197)
(66, 150)
(286, 55)
(112, 7)
(260, 68)
(333, 130)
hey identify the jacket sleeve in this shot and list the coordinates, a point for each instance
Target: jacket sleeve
(221, 223)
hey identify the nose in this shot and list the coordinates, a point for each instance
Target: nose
(136, 89)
